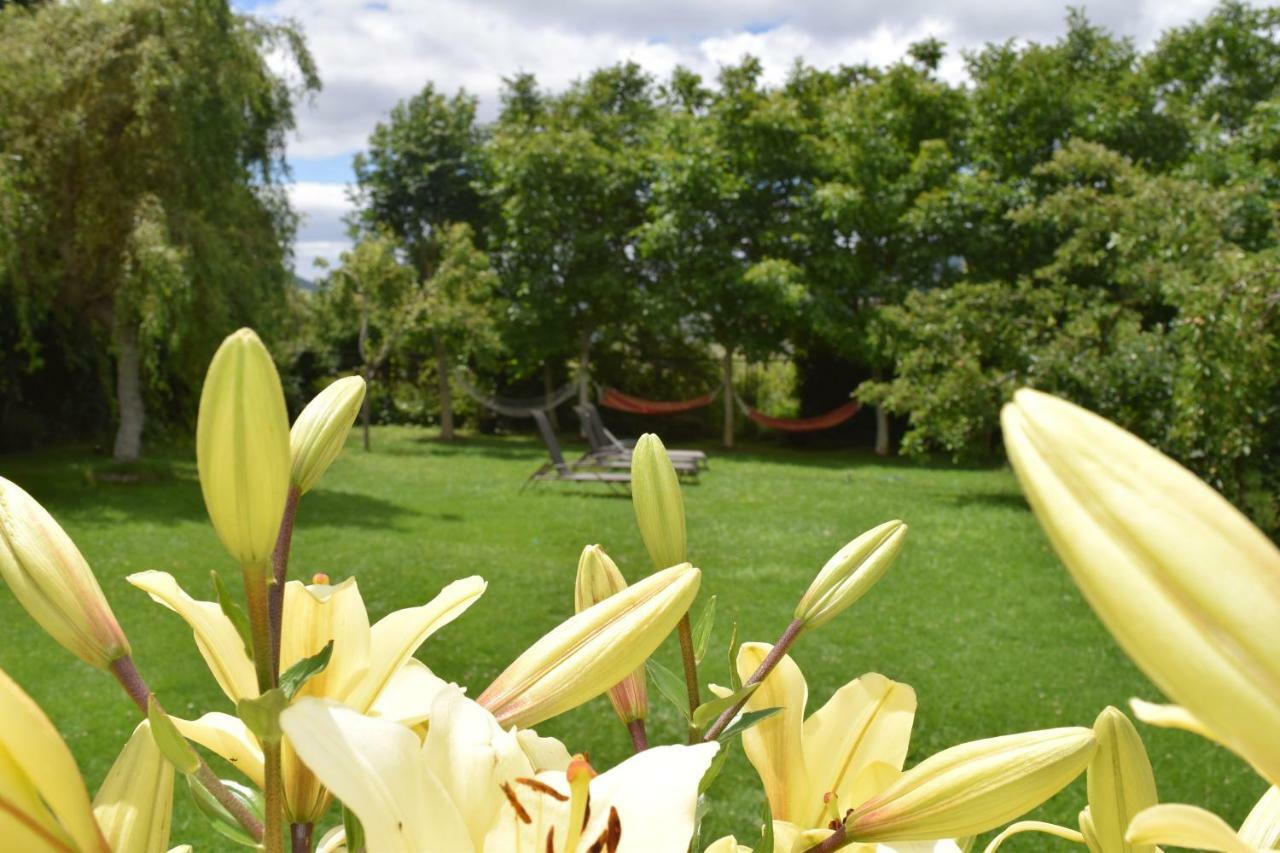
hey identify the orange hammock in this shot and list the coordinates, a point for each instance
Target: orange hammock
(832, 418)
(615, 399)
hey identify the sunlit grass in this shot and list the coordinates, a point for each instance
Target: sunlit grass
(977, 615)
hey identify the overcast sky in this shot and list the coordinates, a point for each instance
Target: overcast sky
(373, 54)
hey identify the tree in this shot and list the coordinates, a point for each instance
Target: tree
(151, 217)
(374, 285)
(458, 312)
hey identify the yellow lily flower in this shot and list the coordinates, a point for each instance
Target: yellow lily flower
(1189, 826)
(472, 787)
(134, 807)
(43, 802)
(1187, 586)
(371, 668)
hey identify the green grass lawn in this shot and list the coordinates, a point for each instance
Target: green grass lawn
(977, 615)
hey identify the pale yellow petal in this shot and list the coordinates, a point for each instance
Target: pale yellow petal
(395, 637)
(1119, 783)
(945, 845)
(134, 807)
(1030, 826)
(545, 753)
(226, 736)
(408, 695)
(333, 841)
(1170, 717)
(36, 759)
(316, 614)
(217, 639)
(375, 767)
(867, 721)
(1185, 826)
(790, 838)
(727, 844)
(1261, 828)
(775, 745)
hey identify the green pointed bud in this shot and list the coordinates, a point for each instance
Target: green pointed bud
(53, 582)
(974, 787)
(242, 448)
(1120, 783)
(655, 494)
(173, 746)
(851, 573)
(320, 432)
(589, 653)
(599, 578)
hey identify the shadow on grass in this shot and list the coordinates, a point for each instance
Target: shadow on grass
(326, 508)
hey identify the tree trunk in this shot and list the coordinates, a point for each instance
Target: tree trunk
(128, 445)
(728, 397)
(364, 409)
(584, 369)
(882, 423)
(549, 388)
(446, 393)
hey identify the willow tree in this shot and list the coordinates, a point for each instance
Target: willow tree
(145, 140)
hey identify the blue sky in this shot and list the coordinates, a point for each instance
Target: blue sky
(372, 54)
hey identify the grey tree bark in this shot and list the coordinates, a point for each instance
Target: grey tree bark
(727, 373)
(128, 443)
(446, 392)
(549, 388)
(882, 423)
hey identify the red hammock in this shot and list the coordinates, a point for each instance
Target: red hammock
(615, 399)
(836, 416)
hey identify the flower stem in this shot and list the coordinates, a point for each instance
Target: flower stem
(255, 594)
(762, 672)
(685, 633)
(639, 738)
(834, 841)
(136, 686)
(280, 572)
(301, 835)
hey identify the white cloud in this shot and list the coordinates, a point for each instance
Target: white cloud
(371, 54)
(322, 233)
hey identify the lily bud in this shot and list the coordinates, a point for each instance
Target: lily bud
(135, 804)
(599, 578)
(320, 432)
(52, 581)
(589, 653)
(1180, 578)
(655, 494)
(851, 573)
(1120, 784)
(974, 787)
(242, 448)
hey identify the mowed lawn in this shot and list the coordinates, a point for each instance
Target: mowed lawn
(977, 615)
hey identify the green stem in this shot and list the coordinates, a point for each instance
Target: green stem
(255, 594)
(639, 738)
(280, 573)
(685, 632)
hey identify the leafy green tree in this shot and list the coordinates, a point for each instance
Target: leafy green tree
(149, 214)
(376, 288)
(459, 312)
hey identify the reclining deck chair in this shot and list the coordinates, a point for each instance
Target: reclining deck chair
(558, 470)
(605, 445)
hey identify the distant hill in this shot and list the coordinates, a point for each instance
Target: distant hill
(304, 283)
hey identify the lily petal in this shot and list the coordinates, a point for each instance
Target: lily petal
(216, 638)
(1185, 826)
(775, 746)
(376, 768)
(134, 807)
(408, 695)
(396, 636)
(1261, 828)
(317, 614)
(1032, 826)
(1119, 782)
(1170, 717)
(228, 737)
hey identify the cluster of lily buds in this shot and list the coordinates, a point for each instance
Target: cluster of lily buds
(599, 578)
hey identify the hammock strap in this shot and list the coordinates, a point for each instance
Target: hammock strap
(515, 407)
(615, 399)
(835, 417)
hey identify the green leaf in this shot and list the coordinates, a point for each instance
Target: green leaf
(702, 630)
(710, 710)
(717, 764)
(296, 676)
(217, 815)
(172, 745)
(354, 831)
(262, 715)
(670, 685)
(232, 610)
(746, 721)
(766, 830)
(734, 680)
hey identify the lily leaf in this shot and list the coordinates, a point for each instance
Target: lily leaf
(735, 680)
(222, 820)
(296, 676)
(708, 711)
(746, 721)
(262, 715)
(702, 630)
(670, 685)
(233, 611)
(172, 745)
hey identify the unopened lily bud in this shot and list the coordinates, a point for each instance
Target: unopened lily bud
(589, 653)
(242, 448)
(320, 432)
(655, 494)
(599, 578)
(1179, 577)
(1120, 784)
(51, 579)
(974, 787)
(851, 573)
(134, 807)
